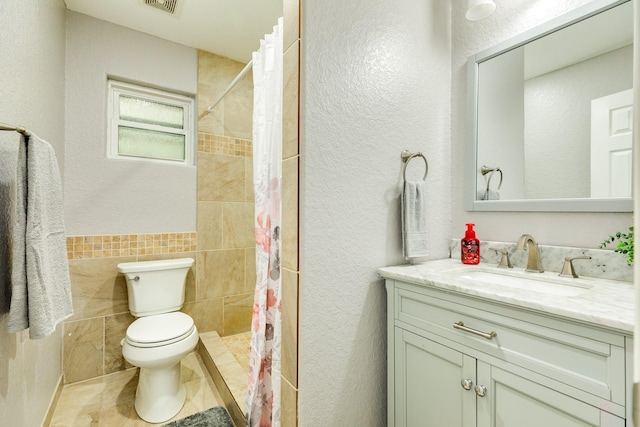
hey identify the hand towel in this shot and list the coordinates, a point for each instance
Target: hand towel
(414, 220)
(47, 300)
(18, 315)
(489, 195)
(9, 142)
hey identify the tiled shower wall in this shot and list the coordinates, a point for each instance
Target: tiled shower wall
(219, 292)
(226, 246)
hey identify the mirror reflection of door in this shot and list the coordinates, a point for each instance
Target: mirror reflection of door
(611, 145)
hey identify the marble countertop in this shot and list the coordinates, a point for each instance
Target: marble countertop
(603, 302)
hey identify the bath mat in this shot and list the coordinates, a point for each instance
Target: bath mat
(213, 417)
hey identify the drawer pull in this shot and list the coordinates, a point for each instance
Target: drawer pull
(460, 325)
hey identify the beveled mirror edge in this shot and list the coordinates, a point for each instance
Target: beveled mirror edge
(471, 175)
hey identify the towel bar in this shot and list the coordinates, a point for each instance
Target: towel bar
(406, 158)
(18, 129)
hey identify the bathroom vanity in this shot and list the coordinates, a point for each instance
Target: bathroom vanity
(481, 346)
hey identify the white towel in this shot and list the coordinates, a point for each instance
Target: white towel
(414, 220)
(40, 256)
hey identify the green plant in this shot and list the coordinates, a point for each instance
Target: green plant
(625, 244)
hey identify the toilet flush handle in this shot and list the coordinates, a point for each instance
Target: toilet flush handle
(134, 278)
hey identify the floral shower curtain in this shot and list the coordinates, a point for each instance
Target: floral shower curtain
(263, 394)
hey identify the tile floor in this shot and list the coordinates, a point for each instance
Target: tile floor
(108, 400)
(239, 345)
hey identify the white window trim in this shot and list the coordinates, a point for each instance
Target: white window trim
(116, 88)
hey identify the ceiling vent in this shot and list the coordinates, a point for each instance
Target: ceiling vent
(168, 6)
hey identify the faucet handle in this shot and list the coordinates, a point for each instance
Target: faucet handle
(567, 268)
(505, 262)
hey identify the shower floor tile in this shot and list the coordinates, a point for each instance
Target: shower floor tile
(109, 400)
(239, 345)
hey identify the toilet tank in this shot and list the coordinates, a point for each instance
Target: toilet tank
(155, 287)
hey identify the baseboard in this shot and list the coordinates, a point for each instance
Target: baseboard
(53, 403)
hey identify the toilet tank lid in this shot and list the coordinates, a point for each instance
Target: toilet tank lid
(162, 264)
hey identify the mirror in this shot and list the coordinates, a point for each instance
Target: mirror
(550, 114)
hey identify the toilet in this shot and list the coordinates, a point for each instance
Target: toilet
(160, 337)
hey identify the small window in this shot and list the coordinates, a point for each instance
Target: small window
(149, 124)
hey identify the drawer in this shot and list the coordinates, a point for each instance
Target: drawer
(588, 359)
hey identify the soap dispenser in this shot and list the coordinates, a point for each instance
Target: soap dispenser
(470, 247)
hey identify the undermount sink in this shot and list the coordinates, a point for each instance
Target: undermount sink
(532, 282)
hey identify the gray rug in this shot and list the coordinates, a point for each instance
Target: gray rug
(214, 417)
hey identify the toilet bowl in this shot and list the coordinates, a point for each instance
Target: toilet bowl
(160, 337)
(156, 344)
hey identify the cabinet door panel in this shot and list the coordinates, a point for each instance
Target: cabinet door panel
(516, 401)
(428, 390)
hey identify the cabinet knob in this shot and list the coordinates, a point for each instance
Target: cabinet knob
(466, 384)
(481, 390)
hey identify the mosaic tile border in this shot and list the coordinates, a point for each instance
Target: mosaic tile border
(87, 247)
(218, 144)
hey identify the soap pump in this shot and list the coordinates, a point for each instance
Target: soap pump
(470, 247)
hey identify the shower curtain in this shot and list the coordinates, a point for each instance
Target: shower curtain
(263, 393)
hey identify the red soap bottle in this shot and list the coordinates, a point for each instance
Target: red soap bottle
(470, 247)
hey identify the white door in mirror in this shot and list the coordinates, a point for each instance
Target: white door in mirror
(611, 145)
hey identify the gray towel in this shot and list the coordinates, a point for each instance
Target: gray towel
(41, 288)
(9, 142)
(489, 195)
(414, 220)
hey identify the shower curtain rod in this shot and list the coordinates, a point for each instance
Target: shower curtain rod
(231, 85)
(19, 129)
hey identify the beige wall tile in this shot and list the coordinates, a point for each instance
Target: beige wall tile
(290, 96)
(238, 109)
(248, 180)
(220, 273)
(97, 288)
(209, 226)
(207, 314)
(290, 213)
(237, 313)
(83, 349)
(215, 73)
(290, 326)
(232, 116)
(250, 270)
(220, 178)
(289, 405)
(115, 329)
(238, 228)
(291, 15)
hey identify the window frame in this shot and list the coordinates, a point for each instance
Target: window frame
(116, 88)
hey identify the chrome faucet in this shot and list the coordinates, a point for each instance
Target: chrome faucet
(533, 262)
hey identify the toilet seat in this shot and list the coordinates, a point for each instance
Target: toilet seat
(159, 330)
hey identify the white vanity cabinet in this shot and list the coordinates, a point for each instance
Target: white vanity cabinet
(459, 361)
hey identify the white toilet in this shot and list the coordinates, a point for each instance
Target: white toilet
(161, 335)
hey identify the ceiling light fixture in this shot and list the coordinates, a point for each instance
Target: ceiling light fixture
(479, 9)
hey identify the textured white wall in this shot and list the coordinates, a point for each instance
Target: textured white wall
(500, 123)
(375, 80)
(570, 229)
(119, 196)
(32, 49)
(558, 123)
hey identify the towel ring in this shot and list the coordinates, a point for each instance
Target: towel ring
(486, 169)
(406, 158)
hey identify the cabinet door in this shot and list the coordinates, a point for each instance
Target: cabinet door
(512, 400)
(428, 384)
